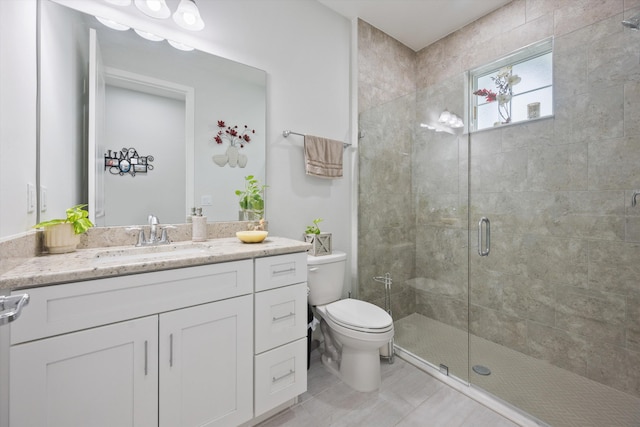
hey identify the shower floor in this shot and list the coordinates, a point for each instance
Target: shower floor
(554, 395)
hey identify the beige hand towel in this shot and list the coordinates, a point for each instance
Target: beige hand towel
(323, 157)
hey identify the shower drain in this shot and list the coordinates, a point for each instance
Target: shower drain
(481, 370)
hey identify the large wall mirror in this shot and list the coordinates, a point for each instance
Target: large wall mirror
(128, 124)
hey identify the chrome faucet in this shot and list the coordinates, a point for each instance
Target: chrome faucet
(153, 233)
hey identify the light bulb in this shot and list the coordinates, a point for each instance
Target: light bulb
(154, 8)
(187, 16)
(154, 5)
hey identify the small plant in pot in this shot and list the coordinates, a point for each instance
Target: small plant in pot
(320, 242)
(63, 235)
(251, 200)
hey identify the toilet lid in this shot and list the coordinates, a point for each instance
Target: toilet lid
(358, 314)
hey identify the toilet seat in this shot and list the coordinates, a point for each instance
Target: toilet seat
(360, 316)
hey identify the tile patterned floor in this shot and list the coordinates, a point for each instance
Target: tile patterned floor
(553, 395)
(407, 397)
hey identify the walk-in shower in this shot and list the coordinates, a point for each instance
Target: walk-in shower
(553, 310)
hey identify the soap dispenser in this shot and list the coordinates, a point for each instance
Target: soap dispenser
(199, 227)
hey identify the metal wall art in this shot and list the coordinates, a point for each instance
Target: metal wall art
(125, 161)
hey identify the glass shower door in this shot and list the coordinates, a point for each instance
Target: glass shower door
(549, 304)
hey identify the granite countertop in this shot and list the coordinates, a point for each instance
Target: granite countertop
(85, 264)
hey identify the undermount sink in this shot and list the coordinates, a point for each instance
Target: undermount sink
(150, 253)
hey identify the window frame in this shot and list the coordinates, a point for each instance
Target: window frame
(519, 56)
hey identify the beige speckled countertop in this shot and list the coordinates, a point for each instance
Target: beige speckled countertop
(85, 264)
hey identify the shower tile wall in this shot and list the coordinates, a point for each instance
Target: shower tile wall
(563, 280)
(385, 214)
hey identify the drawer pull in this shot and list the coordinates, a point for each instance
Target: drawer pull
(170, 350)
(275, 319)
(291, 372)
(146, 357)
(288, 270)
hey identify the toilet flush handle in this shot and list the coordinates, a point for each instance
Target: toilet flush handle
(313, 268)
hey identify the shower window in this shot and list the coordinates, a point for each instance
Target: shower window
(513, 89)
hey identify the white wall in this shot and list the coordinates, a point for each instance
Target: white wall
(158, 131)
(63, 63)
(17, 114)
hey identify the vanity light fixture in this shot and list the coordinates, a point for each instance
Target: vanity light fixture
(119, 2)
(444, 116)
(112, 24)
(188, 16)
(148, 36)
(154, 8)
(450, 119)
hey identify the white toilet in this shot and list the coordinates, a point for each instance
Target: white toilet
(353, 330)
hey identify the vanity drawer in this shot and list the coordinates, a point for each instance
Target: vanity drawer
(280, 375)
(280, 316)
(58, 309)
(281, 270)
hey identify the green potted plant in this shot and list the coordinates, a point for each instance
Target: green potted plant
(251, 200)
(63, 235)
(320, 242)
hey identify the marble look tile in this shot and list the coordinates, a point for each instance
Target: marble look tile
(575, 14)
(451, 311)
(557, 346)
(537, 8)
(376, 51)
(613, 60)
(633, 321)
(529, 299)
(598, 316)
(528, 33)
(613, 163)
(570, 74)
(499, 327)
(560, 167)
(616, 367)
(631, 109)
(613, 267)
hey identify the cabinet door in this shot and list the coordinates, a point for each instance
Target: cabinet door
(206, 364)
(106, 376)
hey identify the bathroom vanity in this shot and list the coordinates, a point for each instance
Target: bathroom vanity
(194, 335)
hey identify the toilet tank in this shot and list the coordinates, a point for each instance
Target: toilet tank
(326, 277)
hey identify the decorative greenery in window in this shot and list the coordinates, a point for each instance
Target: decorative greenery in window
(513, 89)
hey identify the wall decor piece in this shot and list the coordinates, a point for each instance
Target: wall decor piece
(128, 161)
(237, 139)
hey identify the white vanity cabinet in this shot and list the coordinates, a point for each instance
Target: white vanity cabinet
(105, 376)
(280, 330)
(170, 348)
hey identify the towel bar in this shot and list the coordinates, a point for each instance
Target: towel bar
(286, 133)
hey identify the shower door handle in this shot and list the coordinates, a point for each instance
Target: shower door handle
(487, 239)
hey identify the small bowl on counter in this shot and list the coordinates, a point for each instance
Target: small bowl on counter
(252, 236)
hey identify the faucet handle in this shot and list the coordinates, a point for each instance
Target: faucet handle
(164, 238)
(141, 239)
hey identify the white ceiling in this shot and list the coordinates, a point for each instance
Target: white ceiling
(415, 23)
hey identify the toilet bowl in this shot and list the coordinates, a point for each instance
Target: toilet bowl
(353, 330)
